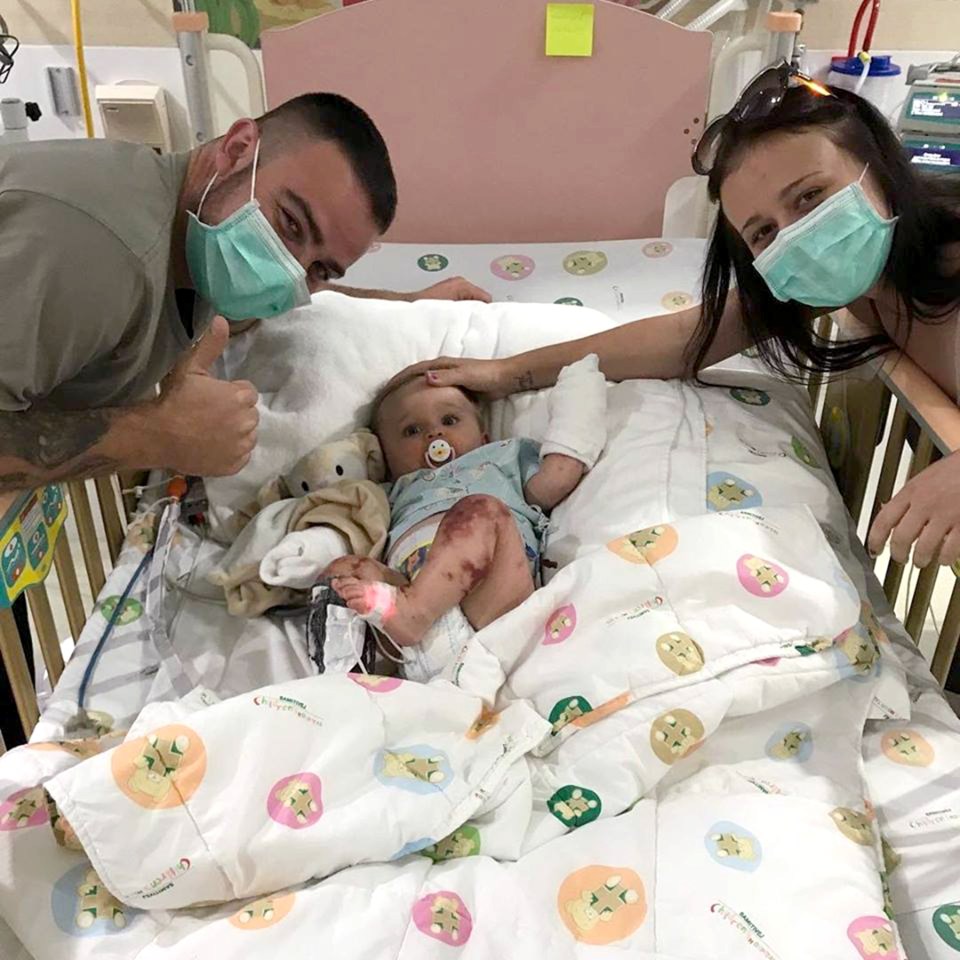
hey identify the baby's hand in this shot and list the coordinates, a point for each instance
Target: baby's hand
(556, 479)
(578, 413)
(300, 558)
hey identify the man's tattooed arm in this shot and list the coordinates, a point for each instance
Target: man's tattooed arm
(43, 445)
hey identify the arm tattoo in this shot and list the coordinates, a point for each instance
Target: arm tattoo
(525, 381)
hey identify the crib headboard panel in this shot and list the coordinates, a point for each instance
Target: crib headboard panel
(493, 141)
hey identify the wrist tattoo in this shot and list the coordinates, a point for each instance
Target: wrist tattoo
(525, 380)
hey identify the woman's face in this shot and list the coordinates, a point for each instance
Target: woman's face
(782, 178)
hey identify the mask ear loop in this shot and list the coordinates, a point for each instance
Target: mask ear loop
(213, 180)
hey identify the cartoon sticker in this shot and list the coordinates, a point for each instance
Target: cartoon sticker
(463, 842)
(674, 734)
(418, 768)
(946, 922)
(749, 396)
(132, 610)
(13, 561)
(433, 262)
(645, 546)
(295, 801)
(560, 624)
(574, 806)
(907, 747)
(37, 546)
(263, 913)
(727, 492)
(676, 300)
(802, 453)
(24, 808)
(51, 503)
(566, 711)
(680, 653)
(570, 301)
(762, 578)
(83, 907)
(600, 904)
(790, 741)
(853, 825)
(486, 719)
(444, 917)
(512, 266)
(873, 938)
(374, 683)
(733, 846)
(582, 263)
(657, 249)
(162, 769)
(857, 654)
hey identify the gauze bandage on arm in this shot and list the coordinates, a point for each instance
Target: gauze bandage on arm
(578, 413)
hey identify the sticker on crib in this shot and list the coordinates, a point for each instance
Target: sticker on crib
(418, 768)
(24, 808)
(733, 846)
(567, 711)
(574, 806)
(132, 610)
(680, 653)
(463, 842)
(83, 907)
(263, 913)
(762, 578)
(512, 266)
(443, 916)
(728, 492)
(560, 625)
(790, 741)
(676, 300)
(375, 684)
(162, 769)
(657, 249)
(570, 301)
(853, 824)
(873, 938)
(296, 801)
(907, 747)
(675, 734)
(433, 262)
(647, 545)
(486, 720)
(583, 263)
(599, 904)
(946, 923)
(750, 396)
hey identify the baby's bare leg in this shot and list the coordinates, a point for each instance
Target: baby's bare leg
(477, 560)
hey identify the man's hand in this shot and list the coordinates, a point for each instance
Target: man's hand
(924, 515)
(202, 425)
(456, 288)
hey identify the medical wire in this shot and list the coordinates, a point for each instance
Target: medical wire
(81, 67)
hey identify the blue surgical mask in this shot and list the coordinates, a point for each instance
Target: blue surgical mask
(240, 266)
(833, 255)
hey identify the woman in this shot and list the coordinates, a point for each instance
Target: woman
(819, 209)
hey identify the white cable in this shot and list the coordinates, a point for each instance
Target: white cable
(715, 13)
(674, 6)
(865, 59)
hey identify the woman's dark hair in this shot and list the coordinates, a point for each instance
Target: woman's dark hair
(928, 207)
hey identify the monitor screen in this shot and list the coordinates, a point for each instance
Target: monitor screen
(938, 106)
(942, 156)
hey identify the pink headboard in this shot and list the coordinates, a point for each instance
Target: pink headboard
(492, 141)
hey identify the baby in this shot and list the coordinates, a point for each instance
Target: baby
(466, 514)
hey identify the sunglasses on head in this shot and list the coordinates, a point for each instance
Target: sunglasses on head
(761, 96)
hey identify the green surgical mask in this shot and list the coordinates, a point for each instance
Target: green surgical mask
(833, 255)
(240, 266)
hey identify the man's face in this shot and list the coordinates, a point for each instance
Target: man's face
(416, 414)
(308, 192)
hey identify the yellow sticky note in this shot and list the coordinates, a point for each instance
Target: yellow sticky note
(569, 29)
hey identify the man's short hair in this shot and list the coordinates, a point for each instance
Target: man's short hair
(328, 116)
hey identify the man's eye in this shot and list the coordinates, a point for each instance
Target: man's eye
(411, 431)
(290, 224)
(450, 420)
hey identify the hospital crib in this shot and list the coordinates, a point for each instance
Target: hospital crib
(870, 427)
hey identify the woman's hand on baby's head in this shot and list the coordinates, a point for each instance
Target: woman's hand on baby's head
(491, 379)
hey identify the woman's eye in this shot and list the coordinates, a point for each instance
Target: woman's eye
(290, 225)
(411, 431)
(809, 196)
(761, 235)
(450, 420)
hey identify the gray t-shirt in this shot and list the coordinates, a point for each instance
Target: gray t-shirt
(88, 313)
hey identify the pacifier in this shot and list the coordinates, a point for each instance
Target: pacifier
(438, 453)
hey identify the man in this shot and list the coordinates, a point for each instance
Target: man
(104, 249)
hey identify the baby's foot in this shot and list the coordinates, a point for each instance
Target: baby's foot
(386, 607)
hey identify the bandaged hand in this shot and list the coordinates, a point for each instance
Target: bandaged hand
(578, 413)
(299, 559)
